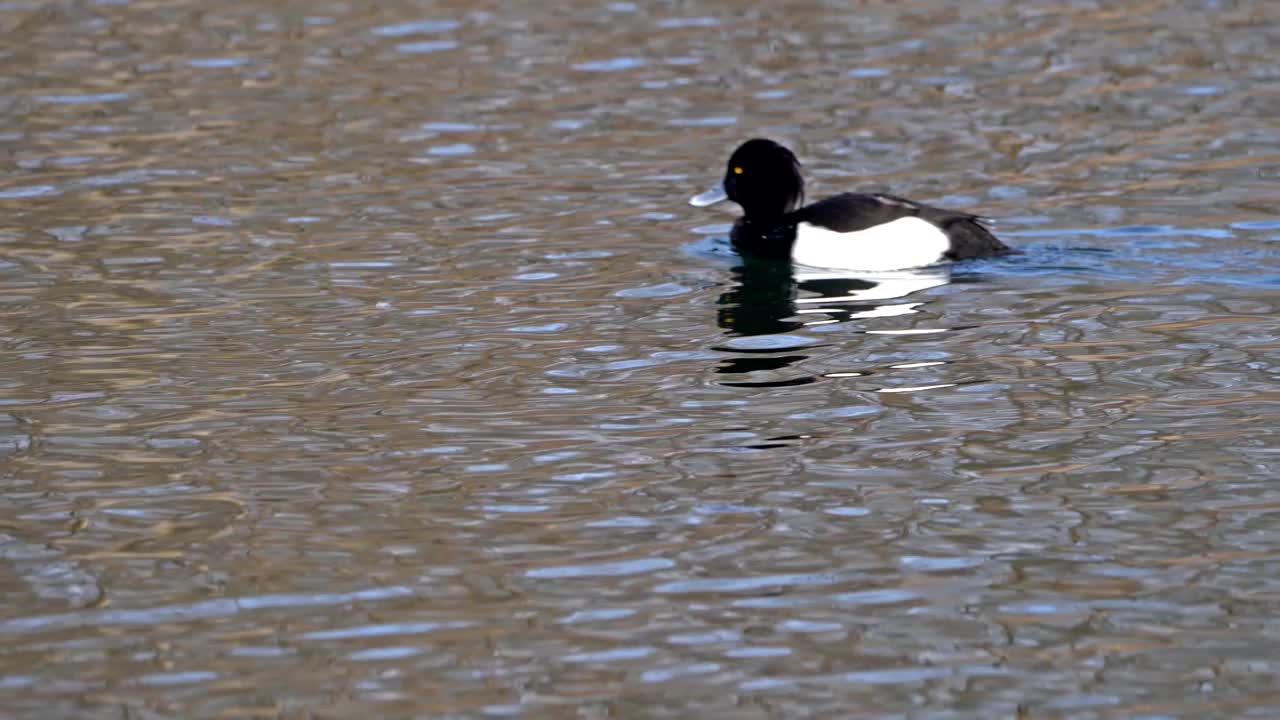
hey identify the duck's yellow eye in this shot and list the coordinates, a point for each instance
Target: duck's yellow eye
(737, 171)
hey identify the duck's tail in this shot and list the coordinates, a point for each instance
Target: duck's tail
(970, 238)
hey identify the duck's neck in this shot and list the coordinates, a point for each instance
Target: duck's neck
(764, 215)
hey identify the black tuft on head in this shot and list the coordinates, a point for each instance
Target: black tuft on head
(764, 178)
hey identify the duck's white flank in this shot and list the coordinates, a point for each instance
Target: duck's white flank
(907, 242)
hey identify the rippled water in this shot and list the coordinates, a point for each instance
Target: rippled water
(365, 360)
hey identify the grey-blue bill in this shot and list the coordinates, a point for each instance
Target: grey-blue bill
(710, 197)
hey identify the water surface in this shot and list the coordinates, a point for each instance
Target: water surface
(365, 359)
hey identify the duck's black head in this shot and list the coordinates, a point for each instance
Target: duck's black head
(763, 177)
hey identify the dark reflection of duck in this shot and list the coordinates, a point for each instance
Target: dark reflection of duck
(761, 299)
(775, 298)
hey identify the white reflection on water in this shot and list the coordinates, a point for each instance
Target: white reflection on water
(863, 287)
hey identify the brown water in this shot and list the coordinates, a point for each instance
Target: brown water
(364, 360)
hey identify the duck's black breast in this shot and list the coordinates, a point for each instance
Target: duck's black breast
(772, 239)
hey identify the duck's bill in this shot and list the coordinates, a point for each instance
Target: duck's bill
(710, 197)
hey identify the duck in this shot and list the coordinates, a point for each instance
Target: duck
(871, 232)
